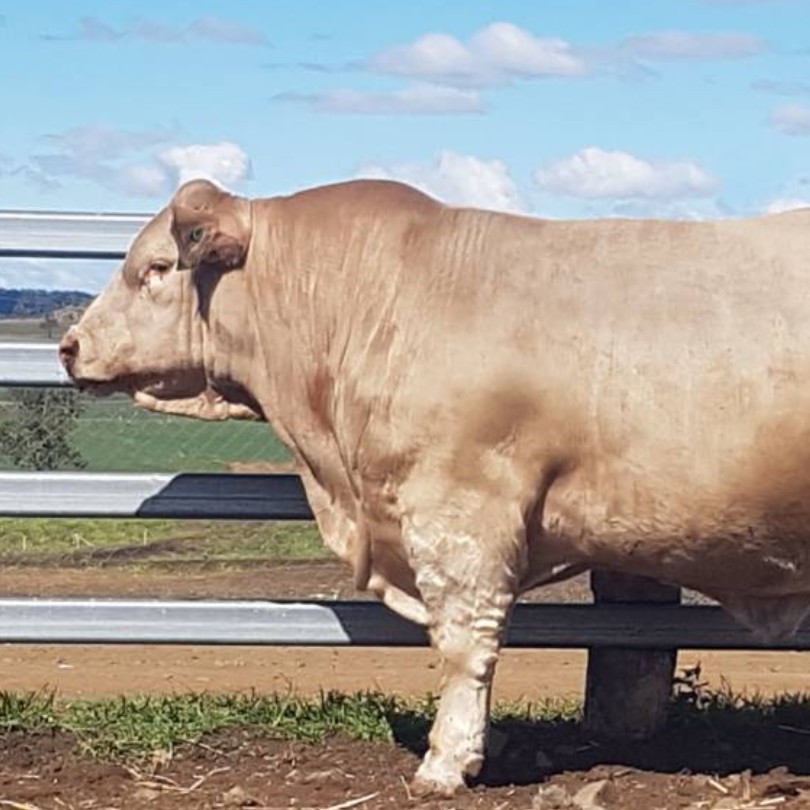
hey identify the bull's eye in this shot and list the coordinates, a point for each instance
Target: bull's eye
(155, 272)
(196, 234)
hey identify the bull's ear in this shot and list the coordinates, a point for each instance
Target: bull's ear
(212, 228)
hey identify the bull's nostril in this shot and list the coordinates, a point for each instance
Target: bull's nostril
(68, 350)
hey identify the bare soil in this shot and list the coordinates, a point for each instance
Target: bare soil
(44, 772)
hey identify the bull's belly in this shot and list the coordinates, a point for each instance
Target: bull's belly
(752, 556)
(767, 557)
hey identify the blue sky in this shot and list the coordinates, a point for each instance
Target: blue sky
(560, 108)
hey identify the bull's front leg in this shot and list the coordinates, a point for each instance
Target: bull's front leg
(468, 581)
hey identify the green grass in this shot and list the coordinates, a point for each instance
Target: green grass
(38, 541)
(695, 704)
(136, 728)
(113, 435)
(751, 728)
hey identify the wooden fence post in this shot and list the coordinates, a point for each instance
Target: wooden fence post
(627, 691)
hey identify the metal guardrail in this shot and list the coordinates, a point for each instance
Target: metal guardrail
(47, 234)
(31, 364)
(140, 621)
(364, 624)
(203, 496)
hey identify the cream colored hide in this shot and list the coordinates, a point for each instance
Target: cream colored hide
(480, 401)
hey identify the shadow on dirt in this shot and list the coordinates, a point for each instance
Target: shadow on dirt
(710, 734)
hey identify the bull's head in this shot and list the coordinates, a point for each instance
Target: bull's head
(146, 334)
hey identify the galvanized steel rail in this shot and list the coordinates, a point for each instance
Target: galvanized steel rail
(363, 624)
(202, 496)
(30, 365)
(56, 235)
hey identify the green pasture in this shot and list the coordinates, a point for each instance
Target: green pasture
(744, 727)
(72, 542)
(138, 727)
(114, 436)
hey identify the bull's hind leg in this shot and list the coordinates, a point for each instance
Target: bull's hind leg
(468, 581)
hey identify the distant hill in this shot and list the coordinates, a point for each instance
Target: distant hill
(39, 303)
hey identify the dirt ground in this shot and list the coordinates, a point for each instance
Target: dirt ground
(534, 767)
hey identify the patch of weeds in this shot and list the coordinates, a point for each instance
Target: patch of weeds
(729, 731)
(136, 727)
(30, 711)
(550, 710)
(695, 702)
(79, 542)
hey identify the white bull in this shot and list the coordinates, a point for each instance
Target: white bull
(481, 401)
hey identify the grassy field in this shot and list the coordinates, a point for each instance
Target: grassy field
(127, 728)
(138, 727)
(90, 543)
(114, 436)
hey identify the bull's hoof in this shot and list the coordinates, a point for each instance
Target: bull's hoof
(435, 782)
(429, 789)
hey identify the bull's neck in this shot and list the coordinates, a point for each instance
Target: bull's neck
(311, 285)
(229, 336)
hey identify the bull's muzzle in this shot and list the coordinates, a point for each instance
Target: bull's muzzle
(69, 351)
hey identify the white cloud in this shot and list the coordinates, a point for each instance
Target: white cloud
(225, 163)
(503, 51)
(420, 99)
(781, 204)
(91, 152)
(495, 53)
(510, 49)
(689, 45)
(792, 119)
(94, 141)
(457, 179)
(138, 163)
(431, 56)
(142, 181)
(594, 173)
(207, 29)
